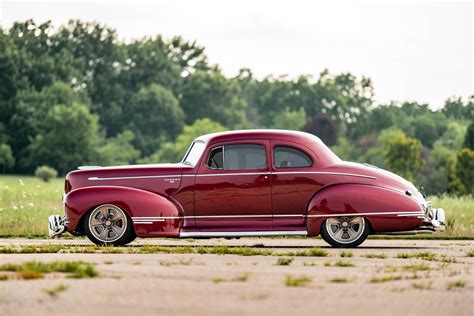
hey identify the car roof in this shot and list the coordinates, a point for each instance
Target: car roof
(258, 134)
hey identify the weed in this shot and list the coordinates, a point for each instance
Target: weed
(309, 264)
(470, 253)
(456, 284)
(416, 267)
(3, 277)
(425, 255)
(385, 278)
(244, 277)
(345, 253)
(56, 290)
(108, 262)
(375, 256)
(339, 280)
(284, 261)
(422, 286)
(297, 281)
(344, 264)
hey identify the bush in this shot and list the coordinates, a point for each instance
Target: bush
(45, 173)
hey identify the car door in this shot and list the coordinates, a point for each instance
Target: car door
(232, 188)
(293, 184)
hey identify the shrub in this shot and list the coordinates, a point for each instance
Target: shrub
(45, 173)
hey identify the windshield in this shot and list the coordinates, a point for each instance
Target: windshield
(194, 153)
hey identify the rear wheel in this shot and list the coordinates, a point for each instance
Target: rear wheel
(108, 224)
(345, 232)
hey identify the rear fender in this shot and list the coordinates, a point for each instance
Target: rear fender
(143, 207)
(385, 209)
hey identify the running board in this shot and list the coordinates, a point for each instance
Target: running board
(244, 234)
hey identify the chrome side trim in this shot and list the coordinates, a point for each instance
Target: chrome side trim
(232, 174)
(244, 234)
(163, 218)
(368, 214)
(134, 177)
(326, 173)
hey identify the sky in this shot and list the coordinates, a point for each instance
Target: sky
(412, 50)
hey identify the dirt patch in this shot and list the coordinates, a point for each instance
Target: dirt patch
(408, 277)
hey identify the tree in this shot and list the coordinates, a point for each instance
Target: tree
(469, 139)
(7, 161)
(323, 127)
(154, 116)
(465, 171)
(173, 152)
(118, 150)
(209, 94)
(403, 155)
(68, 140)
(291, 120)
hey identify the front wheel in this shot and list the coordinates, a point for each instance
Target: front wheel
(108, 224)
(345, 232)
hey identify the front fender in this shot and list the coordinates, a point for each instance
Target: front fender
(143, 207)
(385, 209)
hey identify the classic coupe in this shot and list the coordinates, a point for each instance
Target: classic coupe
(244, 183)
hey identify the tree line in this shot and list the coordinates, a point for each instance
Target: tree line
(77, 95)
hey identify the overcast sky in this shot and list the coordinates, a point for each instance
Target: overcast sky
(411, 50)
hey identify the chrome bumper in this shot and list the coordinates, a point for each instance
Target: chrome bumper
(437, 219)
(56, 225)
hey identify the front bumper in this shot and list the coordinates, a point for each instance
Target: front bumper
(436, 218)
(57, 225)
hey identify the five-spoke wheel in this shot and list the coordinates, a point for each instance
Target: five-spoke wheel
(108, 224)
(345, 232)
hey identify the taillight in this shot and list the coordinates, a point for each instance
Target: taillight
(67, 186)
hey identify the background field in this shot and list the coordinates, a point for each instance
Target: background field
(26, 203)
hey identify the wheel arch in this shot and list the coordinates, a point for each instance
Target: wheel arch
(384, 208)
(136, 203)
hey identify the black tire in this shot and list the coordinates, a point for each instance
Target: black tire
(127, 236)
(335, 243)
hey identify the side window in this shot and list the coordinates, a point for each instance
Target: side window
(289, 157)
(244, 157)
(215, 160)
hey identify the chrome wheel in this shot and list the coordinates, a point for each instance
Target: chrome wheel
(345, 230)
(107, 223)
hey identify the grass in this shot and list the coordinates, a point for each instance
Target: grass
(284, 261)
(309, 264)
(292, 281)
(455, 284)
(26, 202)
(244, 277)
(36, 269)
(339, 280)
(345, 253)
(375, 256)
(470, 253)
(424, 255)
(53, 292)
(415, 267)
(385, 278)
(147, 249)
(422, 286)
(343, 264)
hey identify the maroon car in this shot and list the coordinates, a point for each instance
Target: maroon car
(244, 183)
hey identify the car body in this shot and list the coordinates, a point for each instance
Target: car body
(245, 183)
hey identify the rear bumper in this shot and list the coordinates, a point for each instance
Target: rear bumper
(434, 221)
(57, 225)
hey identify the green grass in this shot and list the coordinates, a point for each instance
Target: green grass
(425, 255)
(375, 256)
(36, 269)
(297, 281)
(26, 202)
(346, 253)
(343, 264)
(284, 261)
(385, 278)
